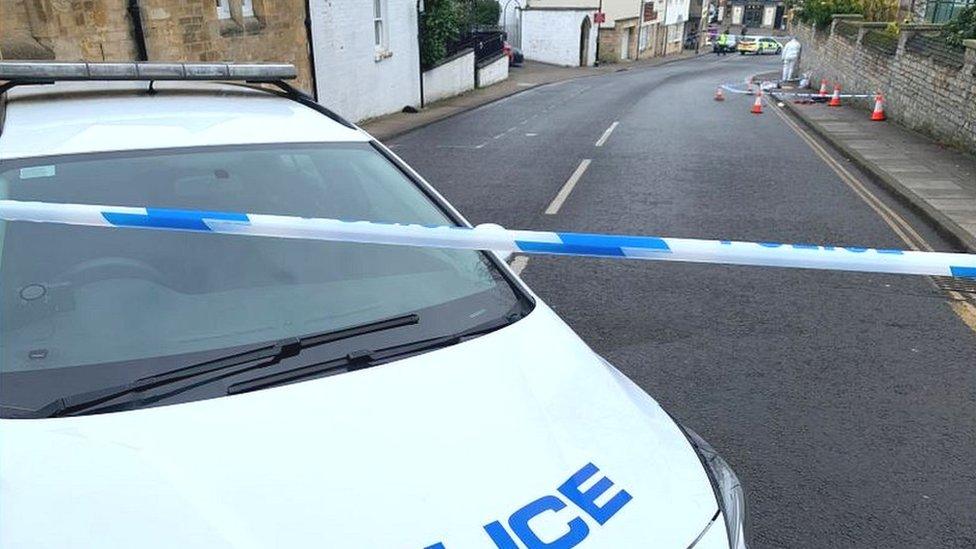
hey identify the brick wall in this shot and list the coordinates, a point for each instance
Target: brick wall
(189, 30)
(176, 30)
(928, 86)
(94, 30)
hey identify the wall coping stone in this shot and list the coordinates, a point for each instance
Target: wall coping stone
(489, 60)
(921, 27)
(450, 58)
(848, 16)
(970, 43)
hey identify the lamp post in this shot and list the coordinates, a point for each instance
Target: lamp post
(640, 29)
(664, 25)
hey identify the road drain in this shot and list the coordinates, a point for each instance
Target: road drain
(954, 284)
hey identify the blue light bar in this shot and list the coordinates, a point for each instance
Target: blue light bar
(56, 71)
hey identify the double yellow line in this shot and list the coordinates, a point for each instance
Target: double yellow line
(959, 303)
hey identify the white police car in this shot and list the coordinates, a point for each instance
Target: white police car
(164, 389)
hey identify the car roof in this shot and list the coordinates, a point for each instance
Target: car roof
(82, 117)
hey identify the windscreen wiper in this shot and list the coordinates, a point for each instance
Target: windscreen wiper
(260, 357)
(367, 358)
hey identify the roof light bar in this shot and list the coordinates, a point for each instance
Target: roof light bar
(41, 71)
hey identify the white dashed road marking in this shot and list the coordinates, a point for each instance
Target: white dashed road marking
(568, 187)
(606, 134)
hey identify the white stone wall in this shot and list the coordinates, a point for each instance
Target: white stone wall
(614, 9)
(451, 78)
(492, 72)
(351, 76)
(677, 11)
(769, 16)
(553, 36)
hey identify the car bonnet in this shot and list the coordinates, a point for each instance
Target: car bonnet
(504, 431)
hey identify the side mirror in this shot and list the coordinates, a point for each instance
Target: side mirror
(505, 256)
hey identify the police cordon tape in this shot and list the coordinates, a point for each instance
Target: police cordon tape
(767, 254)
(807, 94)
(731, 89)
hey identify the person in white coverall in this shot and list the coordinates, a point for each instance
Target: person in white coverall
(791, 55)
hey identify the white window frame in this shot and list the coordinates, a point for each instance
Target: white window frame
(674, 33)
(381, 33)
(223, 9)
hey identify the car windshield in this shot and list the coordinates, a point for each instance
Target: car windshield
(88, 307)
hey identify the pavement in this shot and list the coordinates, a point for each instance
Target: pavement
(527, 76)
(844, 401)
(937, 181)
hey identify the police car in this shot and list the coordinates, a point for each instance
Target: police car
(168, 389)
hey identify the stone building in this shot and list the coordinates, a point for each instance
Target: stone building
(158, 30)
(755, 14)
(358, 57)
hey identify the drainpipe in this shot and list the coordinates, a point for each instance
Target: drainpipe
(137, 31)
(640, 29)
(311, 49)
(596, 58)
(420, 62)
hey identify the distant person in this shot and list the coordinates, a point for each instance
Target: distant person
(791, 57)
(723, 43)
(745, 29)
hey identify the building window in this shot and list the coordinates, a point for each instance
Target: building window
(674, 33)
(247, 8)
(223, 9)
(379, 25)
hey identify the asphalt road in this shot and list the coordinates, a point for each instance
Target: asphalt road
(846, 402)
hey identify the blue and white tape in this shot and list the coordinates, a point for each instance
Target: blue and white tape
(771, 90)
(767, 254)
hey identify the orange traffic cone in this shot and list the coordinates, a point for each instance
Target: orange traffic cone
(878, 115)
(719, 94)
(757, 105)
(835, 99)
(823, 88)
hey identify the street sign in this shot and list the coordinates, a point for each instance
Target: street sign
(599, 17)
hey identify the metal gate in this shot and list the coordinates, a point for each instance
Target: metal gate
(512, 21)
(940, 11)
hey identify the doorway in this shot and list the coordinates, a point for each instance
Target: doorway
(778, 20)
(625, 44)
(753, 16)
(584, 48)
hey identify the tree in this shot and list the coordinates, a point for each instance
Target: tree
(961, 27)
(820, 12)
(440, 25)
(879, 10)
(486, 13)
